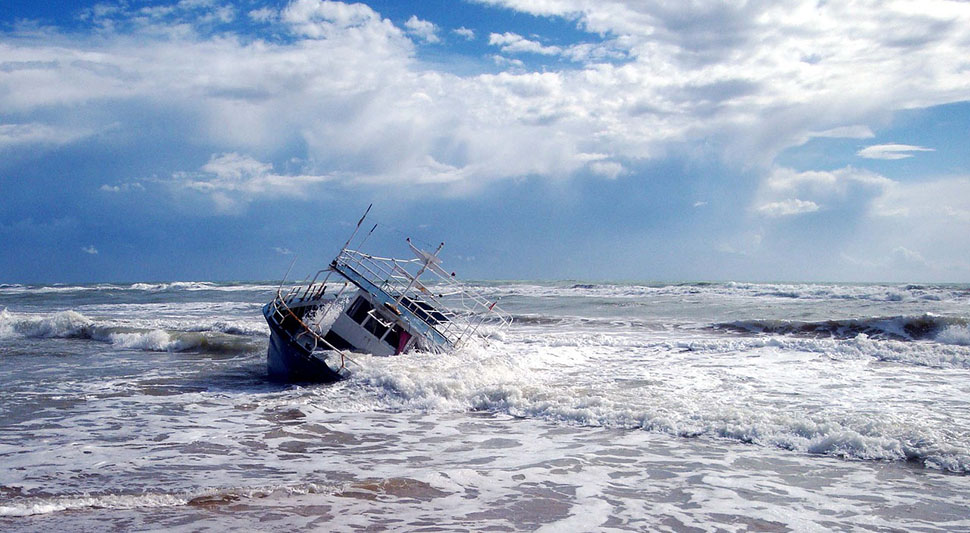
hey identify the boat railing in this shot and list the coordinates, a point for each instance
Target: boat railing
(281, 311)
(443, 303)
(306, 291)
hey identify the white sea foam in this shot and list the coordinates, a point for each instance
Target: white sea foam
(155, 340)
(178, 285)
(860, 347)
(133, 334)
(580, 384)
(31, 506)
(959, 335)
(40, 506)
(803, 291)
(198, 286)
(188, 286)
(7, 329)
(63, 324)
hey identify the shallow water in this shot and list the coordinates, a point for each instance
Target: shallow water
(609, 406)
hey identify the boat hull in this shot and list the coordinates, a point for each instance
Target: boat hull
(287, 360)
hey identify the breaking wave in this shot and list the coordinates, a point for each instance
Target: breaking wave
(494, 380)
(63, 324)
(946, 330)
(41, 506)
(196, 286)
(174, 286)
(219, 337)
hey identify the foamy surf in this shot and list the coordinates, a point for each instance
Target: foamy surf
(220, 337)
(604, 406)
(508, 380)
(28, 505)
(41, 506)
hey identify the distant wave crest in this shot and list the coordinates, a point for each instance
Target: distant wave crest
(788, 291)
(945, 330)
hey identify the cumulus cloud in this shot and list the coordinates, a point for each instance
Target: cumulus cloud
(789, 207)
(233, 179)
(424, 30)
(345, 90)
(90, 250)
(513, 43)
(848, 187)
(464, 32)
(891, 151)
(337, 20)
(802, 59)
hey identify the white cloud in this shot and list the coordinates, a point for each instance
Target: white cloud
(891, 151)
(607, 169)
(263, 14)
(595, 52)
(15, 135)
(512, 43)
(232, 180)
(181, 18)
(826, 184)
(422, 29)
(508, 62)
(336, 20)
(888, 230)
(937, 203)
(124, 187)
(346, 91)
(845, 132)
(91, 250)
(468, 34)
(848, 190)
(789, 207)
(801, 61)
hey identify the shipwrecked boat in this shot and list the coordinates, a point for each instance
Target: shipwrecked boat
(395, 306)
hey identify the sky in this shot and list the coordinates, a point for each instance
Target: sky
(787, 140)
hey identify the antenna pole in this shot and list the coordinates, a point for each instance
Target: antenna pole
(359, 222)
(279, 291)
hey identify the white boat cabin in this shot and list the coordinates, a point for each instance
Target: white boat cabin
(364, 327)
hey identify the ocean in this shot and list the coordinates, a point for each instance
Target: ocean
(604, 407)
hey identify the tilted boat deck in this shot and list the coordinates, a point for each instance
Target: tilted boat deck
(394, 311)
